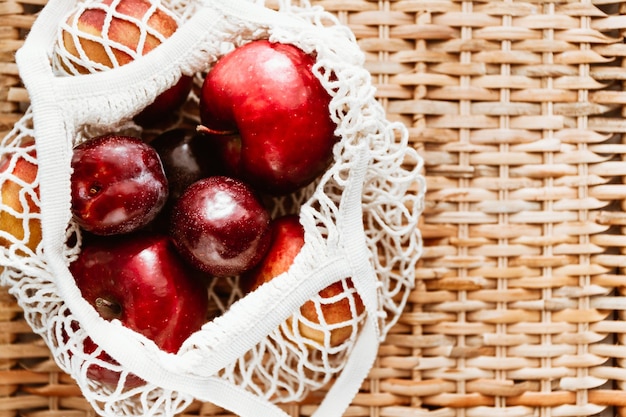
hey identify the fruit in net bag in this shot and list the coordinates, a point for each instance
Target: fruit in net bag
(269, 116)
(292, 155)
(118, 184)
(187, 157)
(104, 34)
(221, 226)
(328, 319)
(140, 280)
(19, 210)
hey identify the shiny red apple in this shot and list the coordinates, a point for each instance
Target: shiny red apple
(141, 280)
(118, 184)
(221, 226)
(338, 304)
(270, 115)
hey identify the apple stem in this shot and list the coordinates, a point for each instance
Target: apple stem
(209, 131)
(108, 309)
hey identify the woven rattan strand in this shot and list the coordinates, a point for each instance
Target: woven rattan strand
(518, 110)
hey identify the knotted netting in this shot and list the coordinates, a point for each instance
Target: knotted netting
(277, 343)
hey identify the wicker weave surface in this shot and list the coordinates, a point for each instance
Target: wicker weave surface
(518, 111)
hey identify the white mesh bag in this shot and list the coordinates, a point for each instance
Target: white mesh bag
(360, 219)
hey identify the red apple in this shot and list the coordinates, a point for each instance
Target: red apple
(141, 280)
(221, 226)
(264, 105)
(15, 197)
(334, 300)
(106, 35)
(117, 185)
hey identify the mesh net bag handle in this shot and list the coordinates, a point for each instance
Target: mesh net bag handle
(61, 104)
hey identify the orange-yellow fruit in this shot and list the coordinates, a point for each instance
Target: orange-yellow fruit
(12, 192)
(104, 34)
(334, 313)
(120, 33)
(335, 305)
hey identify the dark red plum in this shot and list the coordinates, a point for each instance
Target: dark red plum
(118, 184)
(221, 226)
(187, 156)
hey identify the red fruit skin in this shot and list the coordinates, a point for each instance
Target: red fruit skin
(287, 241)
(268, 93)
(166, 104)
(122, 35)
(186, 157)
(157, 293)
(220, 226)
(118, 184)
(12, 196)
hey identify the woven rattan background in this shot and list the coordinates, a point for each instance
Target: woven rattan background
(517, 107)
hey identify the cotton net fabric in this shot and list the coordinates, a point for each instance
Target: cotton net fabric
(360, 219)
